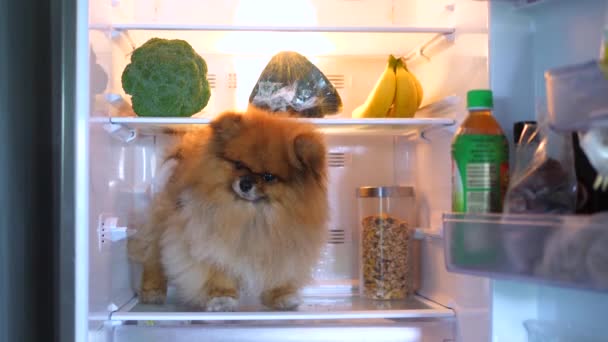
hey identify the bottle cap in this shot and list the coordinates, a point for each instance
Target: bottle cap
(479, 99)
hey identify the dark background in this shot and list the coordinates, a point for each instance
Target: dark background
(37, 61)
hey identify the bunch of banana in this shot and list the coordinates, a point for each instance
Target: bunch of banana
(397, 93)
(408, 92)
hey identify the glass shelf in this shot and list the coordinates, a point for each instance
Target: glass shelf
(432, 116)
(344, 126)
(568, 251)
(259, 28)
(317, 319)
(312, 308)
(309, 40)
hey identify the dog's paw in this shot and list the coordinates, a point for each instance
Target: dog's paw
(290, 301)
(222, 304)
(281, 299)
(152, 296)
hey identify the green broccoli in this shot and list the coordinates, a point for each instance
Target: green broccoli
(166, 78)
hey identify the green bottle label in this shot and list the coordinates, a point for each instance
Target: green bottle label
(480, 169)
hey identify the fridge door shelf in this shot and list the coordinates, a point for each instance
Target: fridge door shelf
(566, 251)
(325, 308)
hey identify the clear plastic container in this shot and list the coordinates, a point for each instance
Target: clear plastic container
(576, 96)
(387, 257)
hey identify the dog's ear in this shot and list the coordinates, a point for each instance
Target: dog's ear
(227, 125)
(310, 152)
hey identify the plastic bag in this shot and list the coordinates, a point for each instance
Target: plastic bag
(291, 84)
(594, 142)
(547, 183)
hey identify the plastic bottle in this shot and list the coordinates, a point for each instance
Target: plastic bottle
(480, 159)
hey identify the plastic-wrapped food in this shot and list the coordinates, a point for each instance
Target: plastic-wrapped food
(291, 84)
(544, 188)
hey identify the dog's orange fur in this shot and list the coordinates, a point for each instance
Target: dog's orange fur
(210, 243)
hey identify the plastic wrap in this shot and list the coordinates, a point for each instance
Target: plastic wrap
(291, 84)
(547, 183)
(594, 143)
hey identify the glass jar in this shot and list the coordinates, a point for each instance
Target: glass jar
(386, 216)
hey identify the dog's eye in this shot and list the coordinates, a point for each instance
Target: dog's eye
(268, 177)
(238, 165)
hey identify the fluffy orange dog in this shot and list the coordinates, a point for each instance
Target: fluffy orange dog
(244, 210)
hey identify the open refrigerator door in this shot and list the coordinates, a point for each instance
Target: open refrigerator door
(547, 282)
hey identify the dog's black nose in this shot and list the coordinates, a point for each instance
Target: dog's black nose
(246, 183)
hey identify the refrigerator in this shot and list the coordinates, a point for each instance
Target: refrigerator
(106, 160)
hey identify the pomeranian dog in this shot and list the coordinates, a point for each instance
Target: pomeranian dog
(244, 210)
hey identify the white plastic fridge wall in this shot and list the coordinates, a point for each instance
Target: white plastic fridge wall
(238, 57)
(525, 42)
(461, 67)
(325, 13)
(123, 174)
(120, 171)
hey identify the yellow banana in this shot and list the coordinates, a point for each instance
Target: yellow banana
(407, 99)
(419, 88)
(418, 85)
(381, 97)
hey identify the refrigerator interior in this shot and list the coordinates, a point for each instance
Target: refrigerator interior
(524, 43)
(349, 41)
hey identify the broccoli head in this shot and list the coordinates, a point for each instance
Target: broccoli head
(166, 78)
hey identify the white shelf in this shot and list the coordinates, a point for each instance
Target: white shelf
(228, 28)
(313, 308)
(344, 126)
(262, 40)
(431, 116)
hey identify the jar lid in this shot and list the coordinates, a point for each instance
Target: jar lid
(385, 191)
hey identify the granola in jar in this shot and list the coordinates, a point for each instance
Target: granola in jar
(384, 250)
